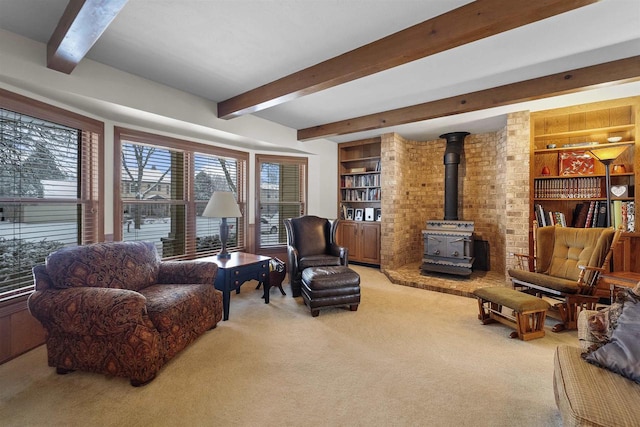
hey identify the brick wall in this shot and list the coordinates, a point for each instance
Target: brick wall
(493, 191)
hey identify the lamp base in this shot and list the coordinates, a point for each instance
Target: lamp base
(224, 255)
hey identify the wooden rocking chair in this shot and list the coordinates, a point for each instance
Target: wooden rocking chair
(566, 265)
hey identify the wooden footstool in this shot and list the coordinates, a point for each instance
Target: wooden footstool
(530, 311)
(330, 287)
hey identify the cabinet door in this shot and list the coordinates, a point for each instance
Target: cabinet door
(348, 237)
(370, 243)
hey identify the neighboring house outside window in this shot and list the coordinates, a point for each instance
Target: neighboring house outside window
(281, 186)
(50, 175)
(165, 184)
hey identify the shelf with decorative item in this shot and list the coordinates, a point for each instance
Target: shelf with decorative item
(610, 131)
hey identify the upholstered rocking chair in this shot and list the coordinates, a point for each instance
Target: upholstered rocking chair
(566, 266)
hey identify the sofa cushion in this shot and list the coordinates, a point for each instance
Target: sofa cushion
(169, 306)
(587, 395)
(181, 313)
(622, 354)
(120, 265)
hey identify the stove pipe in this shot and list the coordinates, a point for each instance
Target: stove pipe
(455, 140)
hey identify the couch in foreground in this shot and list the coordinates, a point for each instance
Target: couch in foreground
(115, 308)
(599, 384)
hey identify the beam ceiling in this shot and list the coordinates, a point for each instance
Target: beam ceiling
(466, 24)
(615, 72)
(80, 26)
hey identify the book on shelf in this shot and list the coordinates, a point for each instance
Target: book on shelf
(546, 218)
(594, 214)
(623, 215)
(602, 215)
(580, 215)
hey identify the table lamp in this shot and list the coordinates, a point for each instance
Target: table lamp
(607, 153)
(222, 205)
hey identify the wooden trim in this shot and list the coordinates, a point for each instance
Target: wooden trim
(466, 24)
(93, 154)
(286, 160)
(190, 148)
(80, 26)
(615, 72)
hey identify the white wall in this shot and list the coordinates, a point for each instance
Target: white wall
(122, 99)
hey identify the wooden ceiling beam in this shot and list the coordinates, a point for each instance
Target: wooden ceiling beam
(615, 72)
(80, 26)
(466, 24)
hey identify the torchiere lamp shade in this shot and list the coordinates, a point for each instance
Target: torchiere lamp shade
(607, 153)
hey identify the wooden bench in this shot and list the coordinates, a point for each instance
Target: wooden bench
(529, 311)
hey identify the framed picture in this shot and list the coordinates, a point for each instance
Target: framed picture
(359, 214)
(378, 214)
(368, 214)
(350, 213)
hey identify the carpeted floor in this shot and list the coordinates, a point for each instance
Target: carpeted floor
(407, 357)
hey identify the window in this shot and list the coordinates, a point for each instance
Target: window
(49, 186)
(281, 186)
(165, 185)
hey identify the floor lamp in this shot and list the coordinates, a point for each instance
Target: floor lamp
(607, 153)
(222, 205)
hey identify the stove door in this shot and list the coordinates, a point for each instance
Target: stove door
(456, 247)
(435, 245)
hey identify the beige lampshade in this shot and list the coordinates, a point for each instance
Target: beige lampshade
(222, 205)
(609, 152)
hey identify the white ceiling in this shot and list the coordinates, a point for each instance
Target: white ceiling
(221, 48)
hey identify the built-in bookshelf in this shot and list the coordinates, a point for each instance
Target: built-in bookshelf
(568, 186)
(359, 199)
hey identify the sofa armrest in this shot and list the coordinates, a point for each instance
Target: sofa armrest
(187, 272)
(88, 310)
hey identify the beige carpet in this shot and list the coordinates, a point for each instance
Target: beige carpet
(407, 357)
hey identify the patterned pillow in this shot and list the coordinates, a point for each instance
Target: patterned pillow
(601, 324)
(622, 354)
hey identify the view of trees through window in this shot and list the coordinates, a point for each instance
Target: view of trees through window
(39, 191)
(164, 191)
(282, 194)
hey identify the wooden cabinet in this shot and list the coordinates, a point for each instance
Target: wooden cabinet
(566, 179)
(359, 196)
(362, 239)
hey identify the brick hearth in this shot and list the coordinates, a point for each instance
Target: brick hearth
(493, 192)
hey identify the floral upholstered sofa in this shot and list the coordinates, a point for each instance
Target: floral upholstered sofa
(116, 308)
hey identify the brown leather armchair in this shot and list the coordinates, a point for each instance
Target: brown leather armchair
(311, 242)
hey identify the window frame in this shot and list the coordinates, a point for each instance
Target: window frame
(283, 160)
(91, 158)
(190, 148)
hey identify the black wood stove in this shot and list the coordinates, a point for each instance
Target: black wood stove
(448, 243)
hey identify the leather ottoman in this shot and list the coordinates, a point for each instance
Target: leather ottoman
(330, 287)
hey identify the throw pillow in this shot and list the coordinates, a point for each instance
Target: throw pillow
(622, 353)
(600, 325)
